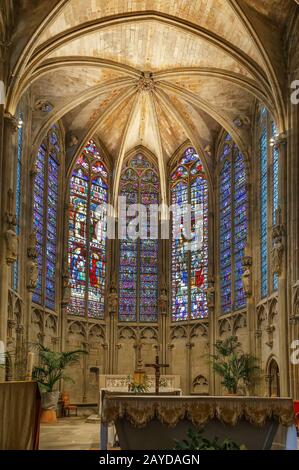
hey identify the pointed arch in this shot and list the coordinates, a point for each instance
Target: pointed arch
(87, 234)
(189, 259)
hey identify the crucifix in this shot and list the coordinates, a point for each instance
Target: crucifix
(157, 368)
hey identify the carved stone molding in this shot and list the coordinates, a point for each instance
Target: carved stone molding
(211, 293)
(112, 299)
(66, 284)
(294, 320)
(146, 82)
(11, 324)
(278, 232)
(11, 237)
(11, 122)
(32, 265)
(247, 273)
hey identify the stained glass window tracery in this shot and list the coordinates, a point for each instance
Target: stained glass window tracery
(189, 260)
(138, 268)
(45, 201)
(233, 226)
(15, 269)
(269, 194)
(88, 234)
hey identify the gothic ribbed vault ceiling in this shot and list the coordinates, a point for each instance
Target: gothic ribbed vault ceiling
(149, 72)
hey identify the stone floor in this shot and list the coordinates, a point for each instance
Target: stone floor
(69, 434)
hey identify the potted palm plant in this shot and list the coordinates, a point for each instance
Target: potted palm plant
(48, 373)
(237, 369)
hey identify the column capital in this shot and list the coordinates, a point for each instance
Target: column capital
(279, 140)
(11, 122)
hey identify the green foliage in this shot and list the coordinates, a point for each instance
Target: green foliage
(52, 366)
(137, 387)
(195, 441)
(237, 369)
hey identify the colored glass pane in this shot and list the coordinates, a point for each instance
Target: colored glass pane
(189, 259)
(138, 268)
(233, 202)
(88, 234)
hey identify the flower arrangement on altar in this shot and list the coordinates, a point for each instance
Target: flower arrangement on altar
(138, 384)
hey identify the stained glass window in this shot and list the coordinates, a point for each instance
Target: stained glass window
(15, 269)
(269, 193)
(189, 259)
(88, 234)
(264, 211)
(138, 269)
(45, 200)
(275, 188)
(233, 226)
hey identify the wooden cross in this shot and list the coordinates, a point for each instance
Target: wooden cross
(157, 368)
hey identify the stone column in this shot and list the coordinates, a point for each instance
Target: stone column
(163, 326)
(189, 346)
(279, 264)
(212, 330)
(247, 286)
(31, 280)
(85, 371)
(111, 327)
(112, 296)
(8, 153)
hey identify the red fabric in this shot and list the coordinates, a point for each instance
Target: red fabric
(296, 406)
(93, 273)
(199, 278)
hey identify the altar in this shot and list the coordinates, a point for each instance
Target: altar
(146, 422)
(114, 385)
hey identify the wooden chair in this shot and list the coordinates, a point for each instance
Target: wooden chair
(67, 407)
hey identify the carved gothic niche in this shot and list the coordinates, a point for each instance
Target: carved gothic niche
(10, 306)
(51, 325)
(149, 334)
(224, 327)
(200, 385)
(127, 333)
(273, 312)
(96, 335)
(199, 330)
(178, 332)
(262, 317)
(271, 323)
(77, 328)
(76, 334)
(273, 377)
(239, 322)
(37, 325)
(17, 311)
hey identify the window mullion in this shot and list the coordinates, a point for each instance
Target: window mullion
(88, 238)
(45, 216)
(233, 228)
